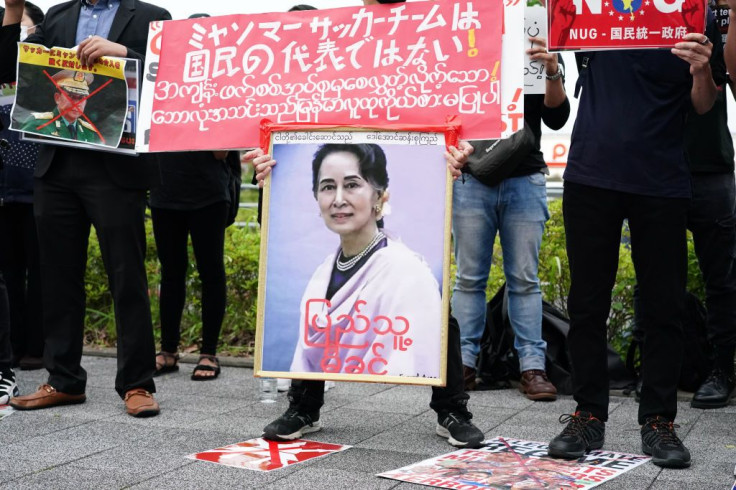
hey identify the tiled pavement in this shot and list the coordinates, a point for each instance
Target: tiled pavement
(96, 445)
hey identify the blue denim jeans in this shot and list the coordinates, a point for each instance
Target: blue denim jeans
(516, 209)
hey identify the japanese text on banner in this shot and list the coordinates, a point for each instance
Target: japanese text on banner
(409, 64)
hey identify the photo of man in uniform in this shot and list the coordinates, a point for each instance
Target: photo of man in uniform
(66, 120)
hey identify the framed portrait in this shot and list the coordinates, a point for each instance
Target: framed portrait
(355, 250)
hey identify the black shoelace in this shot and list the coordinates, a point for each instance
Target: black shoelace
(665, 431)
(575, 424)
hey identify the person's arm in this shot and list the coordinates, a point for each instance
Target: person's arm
(457, 157)
(696, 50)
(13, 12)
(554, 91)
(262, 163)
(90, 49)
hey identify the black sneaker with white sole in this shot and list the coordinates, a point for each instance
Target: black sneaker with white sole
(582, 434)
(8, 388)
(459, 431)
(659, 440)
(293, 424)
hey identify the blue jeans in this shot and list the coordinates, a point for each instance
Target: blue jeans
(517, 210)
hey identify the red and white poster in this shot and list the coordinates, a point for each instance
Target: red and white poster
(515, 464)
(400, 64)
(622, 24)
(263, 455)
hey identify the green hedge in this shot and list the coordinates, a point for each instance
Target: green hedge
(241, 264)
(241, 268)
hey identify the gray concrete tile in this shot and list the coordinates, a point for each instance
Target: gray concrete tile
(331, 478)
(71, 478)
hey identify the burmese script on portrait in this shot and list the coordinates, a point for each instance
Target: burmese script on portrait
(388, 322)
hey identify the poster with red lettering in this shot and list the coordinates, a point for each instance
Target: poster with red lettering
(355, 247)
(406, 63)
(622, 24)
(513, 463)
(262, 455)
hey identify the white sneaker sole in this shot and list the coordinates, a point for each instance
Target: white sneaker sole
(443, 432)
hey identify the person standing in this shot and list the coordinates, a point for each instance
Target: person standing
(516, 209)
(627, 161)
(193, 200)
(19, 246)
(75, 189)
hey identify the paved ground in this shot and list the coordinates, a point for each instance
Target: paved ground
(96, 445)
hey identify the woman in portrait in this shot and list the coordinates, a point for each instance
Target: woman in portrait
(373, 306)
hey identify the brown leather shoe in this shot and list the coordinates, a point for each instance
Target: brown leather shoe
(536, 386)
(45, 397)
(140, 403)
(469, 377)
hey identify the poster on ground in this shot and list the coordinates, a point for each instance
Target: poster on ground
(621, 24)
(355, 247)
(406, 63)
(506, 463)
(5, 411)
(62, 100)
(263, 455)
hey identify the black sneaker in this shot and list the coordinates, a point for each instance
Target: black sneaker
(459, 431)
(582, 434)
(715, 391)
(659, 440)
(293, 424)
(8, 388)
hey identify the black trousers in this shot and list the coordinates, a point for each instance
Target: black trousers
(171, 228)
(77, 192)
(593, 220)
(309, 395)
(712, 221)
(19, 264)
(6, 352)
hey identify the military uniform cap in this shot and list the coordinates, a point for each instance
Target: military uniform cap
(74, 82)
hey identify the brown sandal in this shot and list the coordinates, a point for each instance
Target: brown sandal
(206, 367)
(165, 367)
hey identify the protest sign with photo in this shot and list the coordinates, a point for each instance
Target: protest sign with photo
(513, 463)
(153, 50)
(355, 247)
(621, 24)
(262, 455)
(535, 25)
(413, 63)
(61, 99)
(127, 143)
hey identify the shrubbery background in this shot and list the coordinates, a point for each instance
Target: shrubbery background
(241, 266)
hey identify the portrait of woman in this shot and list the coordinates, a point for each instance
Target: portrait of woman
(373, 306)
(354, 266)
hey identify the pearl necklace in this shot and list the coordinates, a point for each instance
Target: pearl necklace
(344, 265)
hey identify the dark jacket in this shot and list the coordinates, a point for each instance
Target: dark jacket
(130, 28)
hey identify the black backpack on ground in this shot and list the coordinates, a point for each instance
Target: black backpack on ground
(697, 362)
(498, 362)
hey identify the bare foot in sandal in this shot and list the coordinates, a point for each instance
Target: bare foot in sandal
(166, 362)
(208, 367)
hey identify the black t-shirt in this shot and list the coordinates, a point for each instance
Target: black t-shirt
(629, 130)
(708, 143)
(191, 180)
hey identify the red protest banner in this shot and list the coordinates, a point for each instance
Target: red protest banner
(406, 64)
(621, 24)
